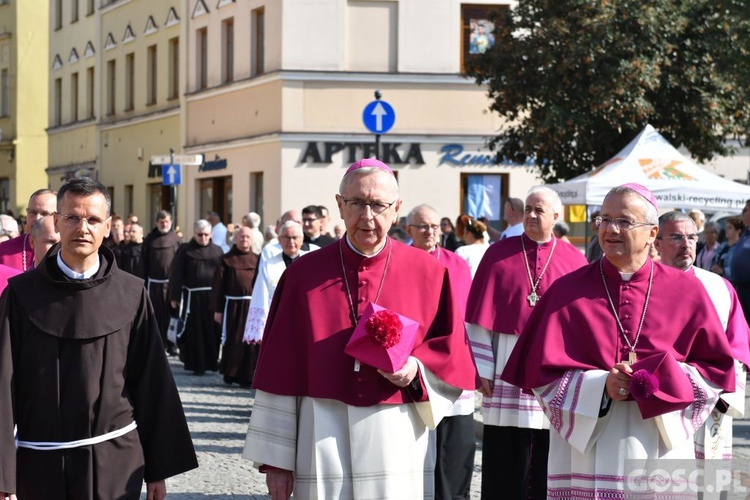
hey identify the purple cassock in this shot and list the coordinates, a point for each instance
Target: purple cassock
(17, 253)
(573, 328)
(498, 298)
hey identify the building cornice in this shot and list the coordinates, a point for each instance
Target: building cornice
(332, 77)
(67, 127)
(143, 118)
(209, 147)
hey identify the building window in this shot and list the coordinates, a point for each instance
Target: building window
(5, 89)
(482, 195)
(478, 29)
(256, 194)
(111, 86)
(215, 194)
(378, 50)
(129, 82)
(151, 72)
(90, 92)
(74, 97)
(257, 51)
(128, 208)
(174, 68)
(227, 35)
(158, 199)
(74, 11)
(90, 7)
(57, 110)
(202, 56)
(58, 14)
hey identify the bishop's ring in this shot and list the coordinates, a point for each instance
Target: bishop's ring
(622, 391)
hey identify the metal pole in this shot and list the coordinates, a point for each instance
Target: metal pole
(378, 95)
(173, 193)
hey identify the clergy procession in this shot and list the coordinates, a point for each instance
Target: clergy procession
(363, 357)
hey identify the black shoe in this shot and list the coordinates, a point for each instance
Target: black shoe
(171, 351)
(229, 380)
(199, 372)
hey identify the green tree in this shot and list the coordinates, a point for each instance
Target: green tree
(576, 80)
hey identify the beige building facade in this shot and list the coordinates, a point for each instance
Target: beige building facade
(276, 92)
(272, 94)
(115, 88)
(23, 100)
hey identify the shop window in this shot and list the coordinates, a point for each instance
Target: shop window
(482, 195)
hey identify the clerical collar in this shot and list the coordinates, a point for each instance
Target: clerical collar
(74, 275)
(351, 247)
(626, 276)
(288, 260)
(538, 242)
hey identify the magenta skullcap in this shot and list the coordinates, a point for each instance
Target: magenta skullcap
(368, 163)
(643, 191)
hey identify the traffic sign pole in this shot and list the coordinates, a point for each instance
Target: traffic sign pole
(173, 197)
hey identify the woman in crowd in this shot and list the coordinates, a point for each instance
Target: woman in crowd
(720, 264)
(711, 245)
(472, 232)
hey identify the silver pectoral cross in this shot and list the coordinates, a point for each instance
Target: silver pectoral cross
(532, 298)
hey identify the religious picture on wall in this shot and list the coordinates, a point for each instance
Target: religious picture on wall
(479, 24)
(481, 38)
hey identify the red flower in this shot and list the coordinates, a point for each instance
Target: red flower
(384, 327)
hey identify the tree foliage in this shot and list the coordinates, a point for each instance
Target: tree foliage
(576, 80)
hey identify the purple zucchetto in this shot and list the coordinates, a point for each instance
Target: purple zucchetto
(368, 163)
(643, 191)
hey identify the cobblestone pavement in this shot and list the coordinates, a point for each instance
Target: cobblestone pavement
(218, 415)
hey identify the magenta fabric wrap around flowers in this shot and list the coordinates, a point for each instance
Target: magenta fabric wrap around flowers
(383, 339)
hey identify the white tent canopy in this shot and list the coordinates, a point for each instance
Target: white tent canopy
(675, 180)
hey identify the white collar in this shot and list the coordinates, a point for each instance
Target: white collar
(360, 253)
(75, 275)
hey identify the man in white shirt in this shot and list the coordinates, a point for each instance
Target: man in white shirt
(513, 215)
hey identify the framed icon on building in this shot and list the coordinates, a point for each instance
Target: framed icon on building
(478, 23)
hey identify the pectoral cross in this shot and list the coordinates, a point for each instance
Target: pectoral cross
(532, 298)
(632, 358)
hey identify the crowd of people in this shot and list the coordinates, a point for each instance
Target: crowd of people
(366, 342)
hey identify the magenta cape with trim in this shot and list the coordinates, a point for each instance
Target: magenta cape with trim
(310, 323)
(459, 273)
(501, 284)
(573, 328)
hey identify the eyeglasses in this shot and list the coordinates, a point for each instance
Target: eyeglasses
(75, 220)
(309, 220)
(33, 213)
(621, 223)
(377, 207)
(426, 227)
(676, 239)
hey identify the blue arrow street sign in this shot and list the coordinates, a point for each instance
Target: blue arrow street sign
(171, 175)
(379, 117)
